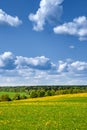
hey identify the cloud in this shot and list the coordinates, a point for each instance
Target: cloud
(62, 66)
(8, 19)
(49, 9)
(79, 66)
(78, 27)
(41, 63)
(72, 66)
(7, 61)
(40, 70)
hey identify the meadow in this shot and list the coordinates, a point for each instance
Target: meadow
(60, 112)
(11, 94)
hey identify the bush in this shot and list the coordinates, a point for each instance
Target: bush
(5, 97)
(33, 94)
(52, 92)
(48, 93)
(16, 97)
(59, 92)
(41, 93)
(23, 97)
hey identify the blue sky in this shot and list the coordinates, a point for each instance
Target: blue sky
(43, 42)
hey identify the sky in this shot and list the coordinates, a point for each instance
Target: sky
(43, 42)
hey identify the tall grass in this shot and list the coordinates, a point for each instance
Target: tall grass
(67, 112)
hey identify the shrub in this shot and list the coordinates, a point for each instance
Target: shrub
(23, 97)
(59, 92)
(52, 92)
(16, 97)
(5, 97)
(48, 93)
(33, 94)
(41, 93)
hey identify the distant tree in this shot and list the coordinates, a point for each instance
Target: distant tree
(52, 92)
(16, 97)
(48, 93)
(41, 93)
(5, 97)
(33, 94)
(23, 97)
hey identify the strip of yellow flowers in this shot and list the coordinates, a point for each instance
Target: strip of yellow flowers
(50, 100)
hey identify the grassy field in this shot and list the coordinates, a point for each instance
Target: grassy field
(11, 94)
(63, 112)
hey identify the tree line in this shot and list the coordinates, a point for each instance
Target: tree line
(39, 91)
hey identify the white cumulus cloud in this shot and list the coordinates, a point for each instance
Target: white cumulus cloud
(72, 66)
(7, 61)
(78, 27)
(8, 19)
(41, 62)
(48, 9)
(40, 70)
(79, 65)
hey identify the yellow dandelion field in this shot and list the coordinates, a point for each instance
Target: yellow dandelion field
(63, 112)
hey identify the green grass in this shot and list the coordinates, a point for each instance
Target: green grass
(67, 112)
(11, 94)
